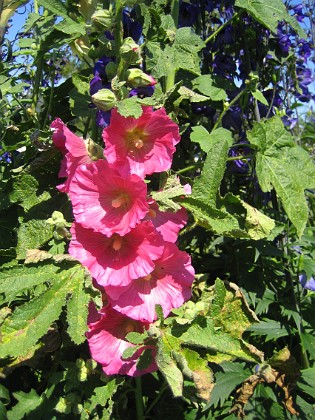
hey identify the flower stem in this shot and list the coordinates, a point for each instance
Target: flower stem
(170, 78)
(157, 398)
(228, 22)
(118, 34)
(237, 97)
(139, 402)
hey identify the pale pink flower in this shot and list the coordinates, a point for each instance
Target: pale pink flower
(167, 223)
(116, 260)
(74, 149)
(141, 145)
(168, 285)
(107, 342)
(105, 201)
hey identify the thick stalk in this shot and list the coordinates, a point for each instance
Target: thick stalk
(139, 401)
(237, 97)
(225, 24)
(118, 34)
(170, 78)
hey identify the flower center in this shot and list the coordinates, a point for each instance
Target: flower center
(136, 138)
(152, 213)
(129, 326)
(147, 278)
(121, 200)
(117, 242)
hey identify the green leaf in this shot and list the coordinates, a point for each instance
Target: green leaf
(206, 85)
(129, 107)
(269, 14)
(25, 192)
(33, 234)
(103, 395)
(27, 402)
(4, 394)
(271, 329)
(191, 95)
(79, 97)
(306, 381)
(145, 359)
(135, 337)
(279, 165)
(57, 8)
(201, 136)
(171, 190)
(129, 352)
(77, 309)
(206, 187)
(18, 279)
(225, 382)
(260, 97)
(29, 322)
(168, 367)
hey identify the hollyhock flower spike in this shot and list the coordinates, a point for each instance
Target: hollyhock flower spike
(105, 201)
(117, 260)
(168, 285)
(107, 342)
(142, 145)
(167, 223)
(73, 147)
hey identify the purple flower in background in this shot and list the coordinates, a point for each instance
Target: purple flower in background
(188, 14)
(304, 49)
(307, 284)
(103, 118)
(142, 91)
(298, 12)
(99, 66)
(132, 28)
(240, 166)
(6, 157)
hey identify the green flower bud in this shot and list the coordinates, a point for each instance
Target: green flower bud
(95, 151)
(103, 20)
(111, 70)
(137, 78)
(131, 52)
(104, 99)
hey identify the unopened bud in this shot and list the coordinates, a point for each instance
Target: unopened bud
(103, 20)
(104, 99)
(137, 78)
(131, 52)
(95, 151)
(111, 70)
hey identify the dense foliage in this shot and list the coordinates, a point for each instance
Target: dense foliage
(195, 112)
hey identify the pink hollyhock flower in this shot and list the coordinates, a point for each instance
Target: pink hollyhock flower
(141, 145)
(168, 285)
(107, 342)
(74, 149)
(105, 201)
(167, 223)
(116, 260)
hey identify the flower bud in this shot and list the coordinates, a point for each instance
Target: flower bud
(103, 20)
(130, 52)
(111, 70)
(104, 99)
(137, 78)
(95, 151)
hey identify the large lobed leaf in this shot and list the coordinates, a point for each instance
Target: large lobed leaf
(31, 321)
(284, 166)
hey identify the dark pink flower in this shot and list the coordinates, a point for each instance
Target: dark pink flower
(116, 260)
(105, 201)
(168, 285)
(107, 342)
(167, 223)
(74, 149)
(141, 145)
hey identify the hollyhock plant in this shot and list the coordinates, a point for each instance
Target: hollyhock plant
(117, 260)
(168, 285)
(141, 145)
(105, 201)
(107, 341)
(73, 147)
(167, 223)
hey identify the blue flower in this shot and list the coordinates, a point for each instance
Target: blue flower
(307, 284)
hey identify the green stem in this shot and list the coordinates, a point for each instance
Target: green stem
(170, 78)
(239, 158)
(118, 33)
(157, 398)
(38, 79)
(188, 168)
(225, 24)
(237, 97)
(51, 97)
(35, 6)
(139, 402)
